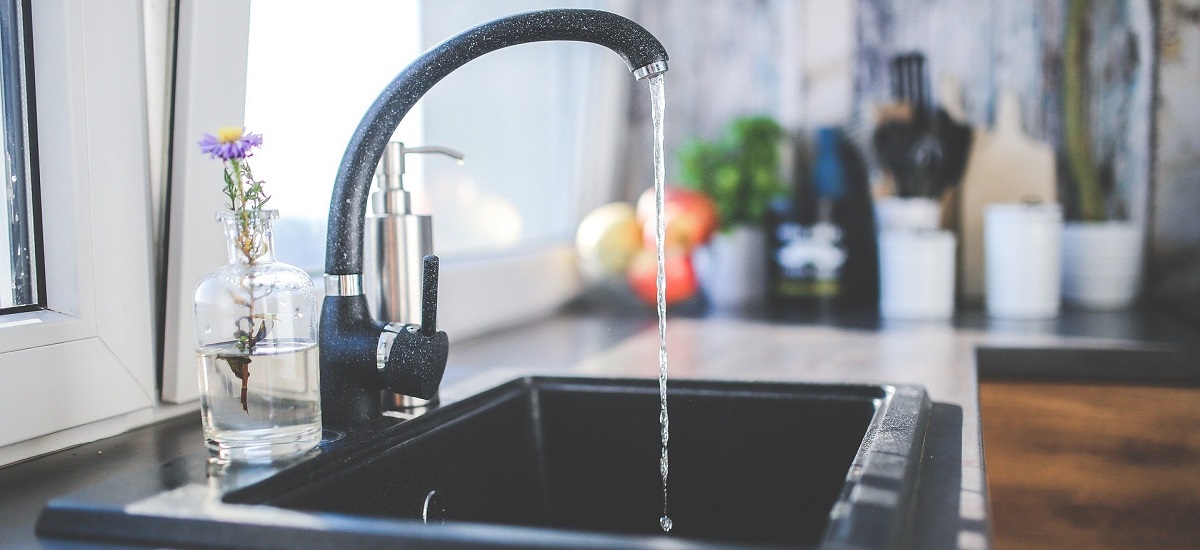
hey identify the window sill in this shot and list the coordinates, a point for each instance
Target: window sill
(41, 328)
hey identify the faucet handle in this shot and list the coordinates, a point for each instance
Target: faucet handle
(410, 362)
(412, 358)
(429, 290)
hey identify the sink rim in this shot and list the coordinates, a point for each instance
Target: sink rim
(871, 510)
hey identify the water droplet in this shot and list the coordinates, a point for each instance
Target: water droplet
(666, 523)
(207, 329)
(299, 314)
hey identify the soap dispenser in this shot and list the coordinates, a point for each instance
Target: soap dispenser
(396, 242)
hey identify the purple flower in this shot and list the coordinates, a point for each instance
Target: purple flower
(231, 142)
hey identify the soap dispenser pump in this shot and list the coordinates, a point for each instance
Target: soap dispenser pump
(397, 241)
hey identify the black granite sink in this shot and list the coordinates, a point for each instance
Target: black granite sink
(573, 462)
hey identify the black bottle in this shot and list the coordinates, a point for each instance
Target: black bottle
(856, 214)
(821, 244)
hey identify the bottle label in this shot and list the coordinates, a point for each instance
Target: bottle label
(809, 259)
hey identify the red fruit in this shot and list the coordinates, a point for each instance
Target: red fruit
(680, 276)
(690, 217)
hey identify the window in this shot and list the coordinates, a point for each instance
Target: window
(307, 85)
(538, 123)
(20, 263)
(81, 366)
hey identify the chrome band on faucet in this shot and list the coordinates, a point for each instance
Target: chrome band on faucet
(658, 67)
(343, 285)
(383, 348)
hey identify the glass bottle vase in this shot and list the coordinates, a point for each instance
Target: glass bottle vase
(256, 341)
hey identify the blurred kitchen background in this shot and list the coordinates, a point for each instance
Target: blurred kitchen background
(814, 64)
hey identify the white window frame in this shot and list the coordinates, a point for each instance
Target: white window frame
(477, 295)
(210, 93)
(84, 367)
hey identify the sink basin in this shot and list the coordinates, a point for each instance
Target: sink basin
(573, 462)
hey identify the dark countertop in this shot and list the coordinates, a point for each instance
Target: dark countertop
(943, 357)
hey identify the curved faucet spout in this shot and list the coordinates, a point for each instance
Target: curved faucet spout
(360, 356)
(640, 50)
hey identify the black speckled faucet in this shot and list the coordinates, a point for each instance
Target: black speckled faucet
(360, 356)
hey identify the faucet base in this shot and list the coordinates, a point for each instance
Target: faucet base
(351, 377)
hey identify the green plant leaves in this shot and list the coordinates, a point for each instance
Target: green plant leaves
(740, 172)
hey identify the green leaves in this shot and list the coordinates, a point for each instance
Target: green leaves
(244, 192)
(740, 172)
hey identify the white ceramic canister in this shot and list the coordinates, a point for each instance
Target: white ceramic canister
(732, 267)
(907, 213)
(916, 274)
(1023, 260)
(1102, 264)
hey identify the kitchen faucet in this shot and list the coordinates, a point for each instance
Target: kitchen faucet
(360, 356)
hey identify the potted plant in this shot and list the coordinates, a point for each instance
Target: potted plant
(741, 173)
(1101, 263)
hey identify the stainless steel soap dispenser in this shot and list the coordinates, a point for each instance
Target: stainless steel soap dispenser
(397, 241)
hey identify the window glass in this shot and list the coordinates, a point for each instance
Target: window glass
(18, 263)
(311, 74)
(514, 113)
